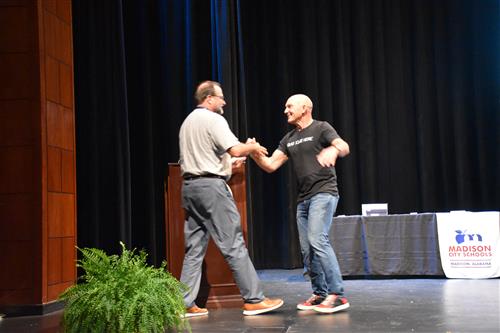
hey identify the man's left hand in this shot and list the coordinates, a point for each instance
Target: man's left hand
(238, 161)
(328, 156)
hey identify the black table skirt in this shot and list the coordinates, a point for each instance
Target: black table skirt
(387, 245)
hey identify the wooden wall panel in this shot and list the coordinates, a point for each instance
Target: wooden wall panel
(16, 35)
(50, 5)
(16, 296)
(16, 169)
(68, 259)
(53, 291)
(54, 260)
(60, 127)
(17, 216)
(17, 260)
(37, 152)
(61, 260)
(63, 10)
(64, 53)
(50, 31)
(17, 123)
(61, 211)
(54, 164)
(20, 166)
(69, 225)
(52, 79)
(68, 129)
(68, 171)
(55, 124)
(17, 72)
(65, 85)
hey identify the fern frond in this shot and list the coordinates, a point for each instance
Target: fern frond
(123, 294)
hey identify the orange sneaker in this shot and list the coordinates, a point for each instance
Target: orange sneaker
(195, 311)
(266, 305)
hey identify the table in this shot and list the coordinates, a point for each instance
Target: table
(403, 245)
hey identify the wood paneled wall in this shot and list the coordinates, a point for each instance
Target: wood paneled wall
(37, 152)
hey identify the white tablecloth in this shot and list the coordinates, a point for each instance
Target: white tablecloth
(469, 244)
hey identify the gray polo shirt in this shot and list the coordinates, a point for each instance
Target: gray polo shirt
(204, 139)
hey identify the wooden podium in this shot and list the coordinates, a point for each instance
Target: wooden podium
(218, 289)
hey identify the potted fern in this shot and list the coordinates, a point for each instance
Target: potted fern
(123, 294)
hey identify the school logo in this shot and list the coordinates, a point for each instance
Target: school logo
(469, 245)
(463, 236)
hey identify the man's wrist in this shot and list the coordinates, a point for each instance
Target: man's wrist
(256, 156)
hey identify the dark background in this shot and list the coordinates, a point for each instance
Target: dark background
(412, 85)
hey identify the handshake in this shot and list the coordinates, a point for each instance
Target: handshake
(258, 151)
(252, 148)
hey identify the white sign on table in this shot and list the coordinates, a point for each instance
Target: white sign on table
(469, 244)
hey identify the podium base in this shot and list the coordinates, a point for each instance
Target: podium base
(217, 288)
(221, 302)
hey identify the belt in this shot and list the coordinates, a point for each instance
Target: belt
(208, 175)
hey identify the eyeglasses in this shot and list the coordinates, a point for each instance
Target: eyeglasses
(221, 97)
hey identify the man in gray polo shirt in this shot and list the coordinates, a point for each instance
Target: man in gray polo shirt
(207, 147)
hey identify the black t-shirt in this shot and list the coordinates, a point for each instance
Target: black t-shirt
(301, 147)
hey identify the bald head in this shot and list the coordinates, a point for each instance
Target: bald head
(301, 100)
(298, 109)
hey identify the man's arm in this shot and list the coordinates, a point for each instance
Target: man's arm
(272, 163)
(237, 162)
(341, 146)
(328, 156)
(244, 149)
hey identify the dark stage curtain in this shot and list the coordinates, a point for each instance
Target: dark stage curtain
(136, 66)
(412, 86)
(103, 157)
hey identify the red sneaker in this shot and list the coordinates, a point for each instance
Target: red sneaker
(311, 302)
(332, 303)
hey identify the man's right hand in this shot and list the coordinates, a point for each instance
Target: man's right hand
(259, 150)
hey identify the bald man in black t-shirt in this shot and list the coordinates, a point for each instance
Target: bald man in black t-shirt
(313, 147)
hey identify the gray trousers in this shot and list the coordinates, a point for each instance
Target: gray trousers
(212, 212)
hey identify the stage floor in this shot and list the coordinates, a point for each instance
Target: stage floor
(377, 305)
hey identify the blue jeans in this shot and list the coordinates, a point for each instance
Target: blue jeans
(314, 219)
